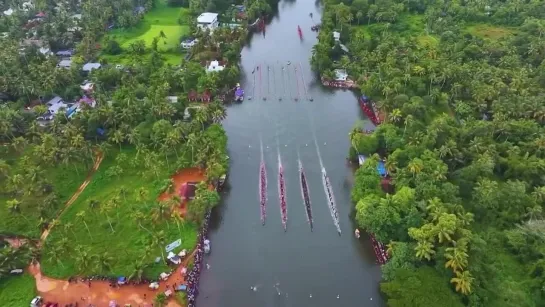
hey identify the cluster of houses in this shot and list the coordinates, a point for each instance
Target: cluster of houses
(58, 105)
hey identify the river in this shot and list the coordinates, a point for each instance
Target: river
(335, 270)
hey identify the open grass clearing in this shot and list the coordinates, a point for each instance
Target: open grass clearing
(65, 178)
(161, 18)
(17, 291)
(130, 243)
(488, 31)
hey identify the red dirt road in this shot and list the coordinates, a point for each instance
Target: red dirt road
(99, 293)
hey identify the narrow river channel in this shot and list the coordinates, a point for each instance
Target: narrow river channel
(318, 268)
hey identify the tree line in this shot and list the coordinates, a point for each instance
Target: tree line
(462, 142)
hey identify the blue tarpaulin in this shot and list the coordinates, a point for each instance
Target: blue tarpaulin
(121, 280)
(381, 168)
(181, 288)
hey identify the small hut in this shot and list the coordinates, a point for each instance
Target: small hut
(192, 96)
(206, 96)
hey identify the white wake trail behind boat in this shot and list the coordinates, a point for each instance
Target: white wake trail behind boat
(281, 185)
(325, 182)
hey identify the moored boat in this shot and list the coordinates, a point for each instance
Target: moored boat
(239, 93)
(370, 109)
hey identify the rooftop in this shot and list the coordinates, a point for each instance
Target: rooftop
(55, 104)
(91, 66)
(65, 63)
(207, 17)
(187, 191)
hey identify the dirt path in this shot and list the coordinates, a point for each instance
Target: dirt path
(99, 293)
(75, 196)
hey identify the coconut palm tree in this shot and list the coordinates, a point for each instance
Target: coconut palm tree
(105, 209)
(456, 258)
(54, 255)
(424, 250)
(462, 282)
(138, 270)
(140, 217)
(161, 212)
(69, 227)
(80, 216)
(178, 219)
(158, 240)
(83, 258)
(104, 262)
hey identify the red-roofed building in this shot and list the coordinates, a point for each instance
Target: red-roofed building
(192, 96)
(206, 96)
(187, 191)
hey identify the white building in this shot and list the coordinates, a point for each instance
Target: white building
(90, 66)
(65, 64)
(215, 67)
(189, 43)
(340, 75)
(336, 36)
(55, 104)
(9, 12)
(208, 21)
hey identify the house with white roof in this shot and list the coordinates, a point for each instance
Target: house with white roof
(90, 66)
(187, 44)
(340, 75)
(65, 64)
(9, 12)
(55, 104)
(336, 36)
(215, 67)
(208, 21)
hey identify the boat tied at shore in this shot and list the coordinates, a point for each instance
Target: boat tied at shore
(369, 107)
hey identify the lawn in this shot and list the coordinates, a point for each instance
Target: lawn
(490, 32)
(160, 18)
(130, 243)
(409, 25)
(65, 181)
(17, 291)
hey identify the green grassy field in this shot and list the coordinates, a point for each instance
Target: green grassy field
(490, 32)
(17, 291)
(408, 24)
(130, 243)
(160, 18)
(65, 182)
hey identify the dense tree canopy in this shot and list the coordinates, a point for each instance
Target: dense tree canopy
(461, 84)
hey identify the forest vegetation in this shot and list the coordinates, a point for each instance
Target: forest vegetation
(463, 86)
(141, 130)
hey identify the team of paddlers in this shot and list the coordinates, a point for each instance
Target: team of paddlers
(282, 192)
(306, 197)
(263, 191)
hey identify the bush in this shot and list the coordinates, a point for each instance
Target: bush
(112, 47)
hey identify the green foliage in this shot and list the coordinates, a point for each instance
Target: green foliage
(120, 230)
(17, 291)
(419, 287)
(40, 193)
(462, 87)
